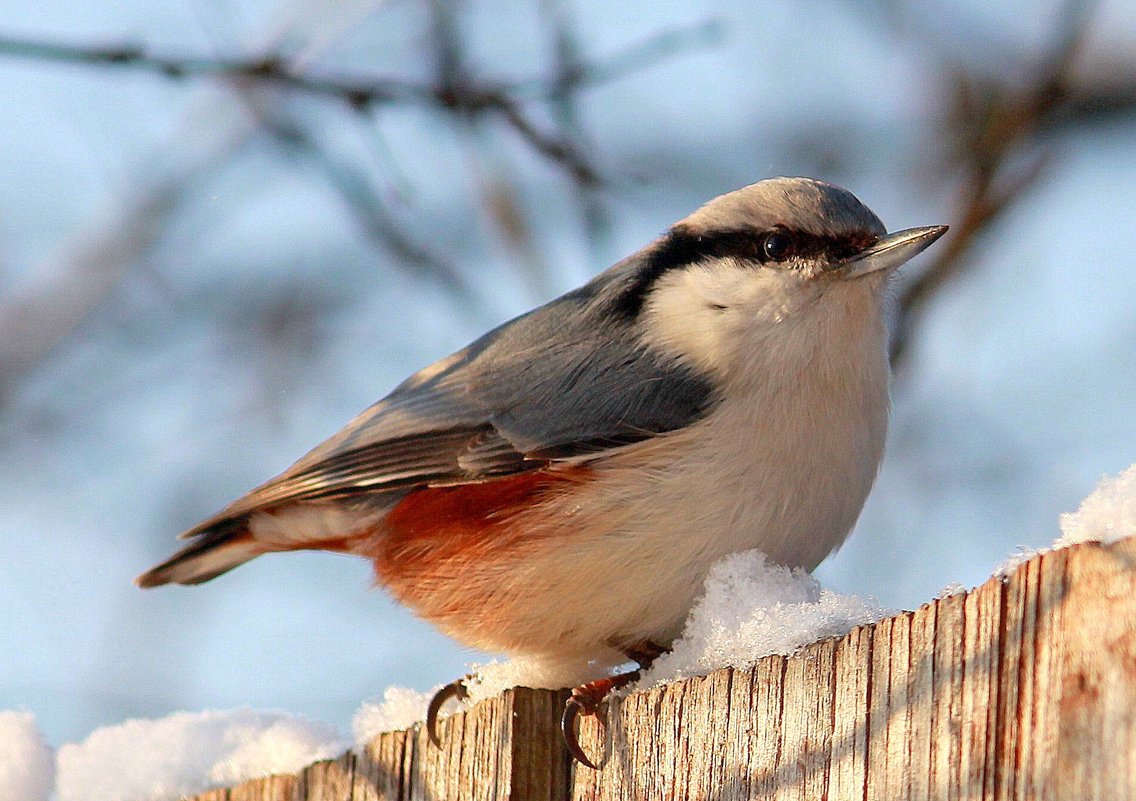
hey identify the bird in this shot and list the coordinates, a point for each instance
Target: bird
(559, 488)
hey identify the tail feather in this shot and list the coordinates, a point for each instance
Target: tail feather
(211, 554)
(222, 543)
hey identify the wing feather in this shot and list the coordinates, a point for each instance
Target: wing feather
(567, 380)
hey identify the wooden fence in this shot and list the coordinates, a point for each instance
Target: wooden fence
(1023, 688)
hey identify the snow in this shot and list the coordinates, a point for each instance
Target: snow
(752, 609)
(189, 752)
(400, 708)
(1107, 515)
(27, 765)
(1019, 557)
(954, 588)
(749, 609)
(492, 678)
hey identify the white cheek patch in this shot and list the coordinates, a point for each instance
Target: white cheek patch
(698, 313)
(684, 315)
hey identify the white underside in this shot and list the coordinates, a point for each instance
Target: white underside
(629, 554)
(784, 465)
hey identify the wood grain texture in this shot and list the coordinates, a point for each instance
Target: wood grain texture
(504, 748)
(1024, 688)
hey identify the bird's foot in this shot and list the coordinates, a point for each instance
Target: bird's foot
(455, 689)
(586, 700)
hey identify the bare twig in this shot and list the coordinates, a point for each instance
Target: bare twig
(452, 90)
(564, 102)
(635, 58)
(993, 127)
(31, 332)
(365, 91)
(369, 209)
(359, 92)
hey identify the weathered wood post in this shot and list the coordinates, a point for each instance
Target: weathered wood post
(1024, 688)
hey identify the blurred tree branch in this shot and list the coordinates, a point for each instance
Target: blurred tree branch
(40, 316)
(362, 91)
(455, 90)
(570, 63)
(997, 138)
(997, 141)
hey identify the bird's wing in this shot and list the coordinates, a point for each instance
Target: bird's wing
(565, 380)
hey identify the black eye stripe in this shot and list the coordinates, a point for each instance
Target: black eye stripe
(681, 248)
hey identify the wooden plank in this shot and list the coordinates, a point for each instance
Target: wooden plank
(1095, 746)
(269, 788)
(328, 780)
(539, 766)
(1040, 746)
(380, 768)
(1022, 689)
(945, 781)
(506, 747)
(852, 675)
(807, 709)
(1016, 685)
(979, 633)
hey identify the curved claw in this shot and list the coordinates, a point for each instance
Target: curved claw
(570, 733)
(455, 689)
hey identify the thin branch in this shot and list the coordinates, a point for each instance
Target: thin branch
(565, 106)
(652, 50)
(553, 147)
(365, 91)
(359, 92)
(368, 208)
(452, 91)
(994, 126)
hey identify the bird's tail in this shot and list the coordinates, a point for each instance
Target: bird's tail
(214, 551)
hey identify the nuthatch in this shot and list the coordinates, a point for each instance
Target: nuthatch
(559, 488)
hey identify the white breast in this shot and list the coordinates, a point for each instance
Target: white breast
(784, 464)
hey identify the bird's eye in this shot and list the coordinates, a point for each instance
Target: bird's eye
(776, 246)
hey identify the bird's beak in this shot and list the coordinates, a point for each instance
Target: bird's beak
(891, 251)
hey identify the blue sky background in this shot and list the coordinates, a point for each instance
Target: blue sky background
(258, 316)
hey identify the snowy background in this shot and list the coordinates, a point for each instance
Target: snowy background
(221, 301)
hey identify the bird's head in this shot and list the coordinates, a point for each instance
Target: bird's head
(769, 266)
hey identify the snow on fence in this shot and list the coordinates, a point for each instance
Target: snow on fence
(1023, 688)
